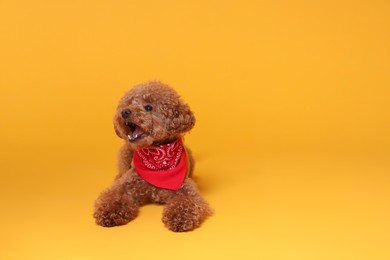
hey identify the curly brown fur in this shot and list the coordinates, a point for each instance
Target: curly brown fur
(150, 114)
(125, 156)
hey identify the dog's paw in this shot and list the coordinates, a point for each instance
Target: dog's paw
(183, 214)
(115, 213)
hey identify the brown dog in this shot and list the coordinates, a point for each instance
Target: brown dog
(154, 165)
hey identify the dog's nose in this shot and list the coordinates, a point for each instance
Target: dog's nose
(125, 113)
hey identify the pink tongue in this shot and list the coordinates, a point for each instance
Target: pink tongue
(137, 132)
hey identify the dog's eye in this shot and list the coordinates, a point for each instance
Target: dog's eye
(148, 108)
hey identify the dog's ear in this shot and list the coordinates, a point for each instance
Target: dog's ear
(117, 131)
(182, 120)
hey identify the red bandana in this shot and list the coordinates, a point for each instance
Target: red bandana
(164, 166)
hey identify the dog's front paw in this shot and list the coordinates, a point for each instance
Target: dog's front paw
(183, 214)
(110, 213)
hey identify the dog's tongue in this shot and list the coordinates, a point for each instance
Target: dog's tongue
(137, 132)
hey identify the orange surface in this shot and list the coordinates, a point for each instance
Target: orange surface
(292, 140)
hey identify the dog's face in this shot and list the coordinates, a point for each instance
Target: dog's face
(151, 113)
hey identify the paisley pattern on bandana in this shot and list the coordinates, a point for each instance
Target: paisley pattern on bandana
(164, 166)
(162, 157)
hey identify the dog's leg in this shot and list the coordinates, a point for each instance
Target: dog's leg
(116, 205)
(186, 209)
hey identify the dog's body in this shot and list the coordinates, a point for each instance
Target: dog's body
(152, 116)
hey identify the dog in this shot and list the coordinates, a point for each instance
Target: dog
(154, 166)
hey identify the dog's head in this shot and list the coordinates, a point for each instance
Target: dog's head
(152, 113)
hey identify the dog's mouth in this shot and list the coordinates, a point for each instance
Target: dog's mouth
(136, 132)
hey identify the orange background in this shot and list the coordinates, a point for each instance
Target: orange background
(292, 139)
